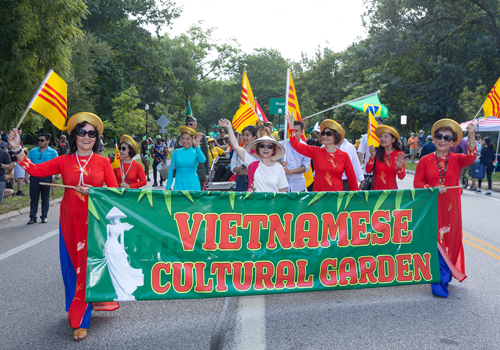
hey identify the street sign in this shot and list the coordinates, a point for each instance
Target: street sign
(277, 106)
(163, 131)
(163, 121)
(403, 120)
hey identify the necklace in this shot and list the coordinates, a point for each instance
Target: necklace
(442, 174)
(82, 169)
(122, 168)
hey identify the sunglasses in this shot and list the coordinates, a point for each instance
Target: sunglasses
(41, 140)
(327, 133)
(189, 124)
(440, 137)
(123, 148)
(82, 132)
(262, 146)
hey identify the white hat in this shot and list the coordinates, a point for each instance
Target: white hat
(280, 151)
(115, 213)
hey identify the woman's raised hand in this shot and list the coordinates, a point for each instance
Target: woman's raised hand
(225, 123)
(197, 140)
(290, 119)
(373, 152)
(15, 139)
(471, 128)
(400, 160)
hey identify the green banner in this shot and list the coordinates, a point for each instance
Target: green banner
(150, 244)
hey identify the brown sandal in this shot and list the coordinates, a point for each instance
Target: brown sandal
(80, 334)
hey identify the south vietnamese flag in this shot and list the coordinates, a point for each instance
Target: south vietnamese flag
(50, 100)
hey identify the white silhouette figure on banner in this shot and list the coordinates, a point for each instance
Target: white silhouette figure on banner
(124, 277)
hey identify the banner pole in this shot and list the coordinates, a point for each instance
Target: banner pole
(34, 97)
(498, 140)
(285, 132)
(343, 104)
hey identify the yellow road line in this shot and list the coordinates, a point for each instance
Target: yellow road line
(483, 243)
(482, 249)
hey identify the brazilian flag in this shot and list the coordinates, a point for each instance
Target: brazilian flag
(371, 104)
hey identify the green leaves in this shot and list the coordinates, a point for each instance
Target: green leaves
(349, 196)
(92, 209)
(168, 201)
(381, 199)
(231, 199)
(399, 197)
(317, 197)
(339, 200)
(149, 194)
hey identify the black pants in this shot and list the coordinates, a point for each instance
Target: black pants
(488, 176)
(222, 174)
(35, 191)
(155, 165)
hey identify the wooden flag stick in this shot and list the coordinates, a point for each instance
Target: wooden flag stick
(57, 185)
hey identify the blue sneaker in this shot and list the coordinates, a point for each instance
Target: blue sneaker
(488, 193)
(478, 190)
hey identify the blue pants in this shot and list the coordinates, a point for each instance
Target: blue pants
(35, 191)
(441, 289)
(242, 183)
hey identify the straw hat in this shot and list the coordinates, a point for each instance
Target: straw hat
(130, 141)
(188, 130)
(333, 125)
(210, 139)
(85, 117)
(451, 124)
(115, 213)
(385, 128)
(280, 151)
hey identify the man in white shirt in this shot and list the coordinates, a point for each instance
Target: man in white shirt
(349, 148)
(296, 164)
(364, 150)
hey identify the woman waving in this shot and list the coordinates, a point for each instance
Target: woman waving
(329, 161)
(390, 161)
(441, 169)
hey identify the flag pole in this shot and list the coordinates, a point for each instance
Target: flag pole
(343, 104)
(287, 93)
(34, 97)
(479, 112)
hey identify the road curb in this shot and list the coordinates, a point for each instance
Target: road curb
(23, 211)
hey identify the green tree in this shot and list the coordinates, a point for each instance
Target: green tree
(127, 119)
(36, 36)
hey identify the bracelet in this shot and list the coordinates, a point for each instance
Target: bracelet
(17, 152)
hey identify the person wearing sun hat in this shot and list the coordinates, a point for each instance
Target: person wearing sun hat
(330, 163)
(388, 161)
(185, 161)
(265, 174)
(213, 151)
(203, 168)
(130, 174)
(441, 169)
(82, 168)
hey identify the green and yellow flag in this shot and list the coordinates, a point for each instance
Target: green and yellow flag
(371, 104)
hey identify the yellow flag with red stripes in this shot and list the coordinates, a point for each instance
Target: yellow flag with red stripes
(372, 125)
(293, 107)
(243, 117)
(293, 101)
(116, 162)
(246, 92)
(491, 106)
(50, 100)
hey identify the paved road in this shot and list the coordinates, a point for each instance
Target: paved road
(32, 305)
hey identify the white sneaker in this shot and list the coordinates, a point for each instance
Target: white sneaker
(478, 190)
